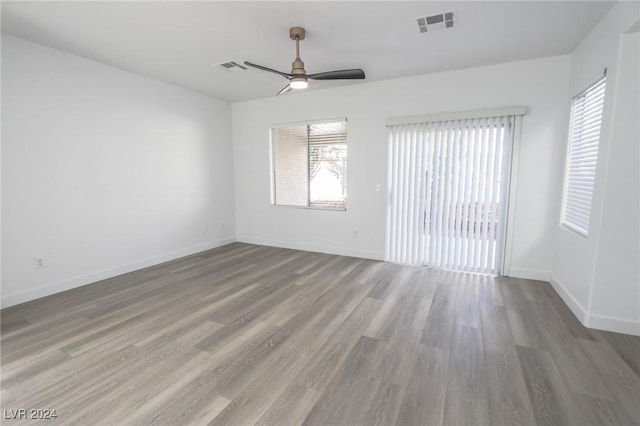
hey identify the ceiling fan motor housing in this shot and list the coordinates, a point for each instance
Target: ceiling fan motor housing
(297, 67)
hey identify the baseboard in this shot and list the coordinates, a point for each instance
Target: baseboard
(310, 247)
(578, 310)
(599, 322)
(79, 281)
(529, 274)
(616, 324)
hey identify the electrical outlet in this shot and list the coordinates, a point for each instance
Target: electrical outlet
(378, 187)
(39, 262)
(355, 233)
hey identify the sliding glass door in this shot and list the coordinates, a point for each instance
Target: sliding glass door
(448, 183)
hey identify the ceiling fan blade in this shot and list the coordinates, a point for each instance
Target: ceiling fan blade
(284, 90)
(260, 67)
(353, 74)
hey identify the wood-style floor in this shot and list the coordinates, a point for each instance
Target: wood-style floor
(249, 335)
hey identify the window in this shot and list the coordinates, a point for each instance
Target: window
(309, 165)
(582, 158)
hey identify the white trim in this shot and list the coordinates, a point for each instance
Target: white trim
(579, 232)
(311, 247)
(307, 122)
(529, 274)
(615, 324)
(288, 206)
(81, 280)
(512, 194)
(578, 310)
(599, 322)
(463, 115)
(604, 154)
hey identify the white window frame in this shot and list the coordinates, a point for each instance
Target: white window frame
(585, 129)
(272, 169)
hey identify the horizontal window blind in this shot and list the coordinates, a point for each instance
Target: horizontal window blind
(582, 157)
(328, 133)
(447, 193)
(290, 165)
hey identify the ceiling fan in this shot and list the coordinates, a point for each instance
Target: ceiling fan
(298, 78)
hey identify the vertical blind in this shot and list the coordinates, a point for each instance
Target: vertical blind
(447, 193)
(582, 157)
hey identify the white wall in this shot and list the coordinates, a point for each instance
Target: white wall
(576, 259)
(540, 85)
(104, 171)
(616, 288)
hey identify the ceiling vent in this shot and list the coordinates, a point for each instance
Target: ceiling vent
(232, 66)
(439, 21)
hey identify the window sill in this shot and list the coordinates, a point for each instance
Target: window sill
(331, 209)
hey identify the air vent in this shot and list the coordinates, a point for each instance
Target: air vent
(439, 21)
(232, 66)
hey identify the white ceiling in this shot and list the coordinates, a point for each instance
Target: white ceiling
(178, 42)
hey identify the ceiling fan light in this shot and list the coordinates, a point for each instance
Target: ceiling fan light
(299, 83)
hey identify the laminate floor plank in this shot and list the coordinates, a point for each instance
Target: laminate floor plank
(385, 405)
(320, 322)
(622, 384)
(390, 276)
(401, 332)
(55, 379)
(489, 292)
(424, 398)
(252, 400)
(403, 313)
(266, 296)
(59, 335)
(578, 372)
(190, 395)
(590, 411)
(329, 358)
(628, 347)
(160, 318)
(252, 376)
(353, 386)
(300, 301)
(136, 389)
(331, 312)
(466, 305)
(70, 390)
(467, 397)
(548, 394)
(508, 397)
(246, 334)
(438, 327)
(8, 326)
(35, 368)
(525, 331)
(293, 404)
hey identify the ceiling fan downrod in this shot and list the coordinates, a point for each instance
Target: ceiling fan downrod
(299, 81)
